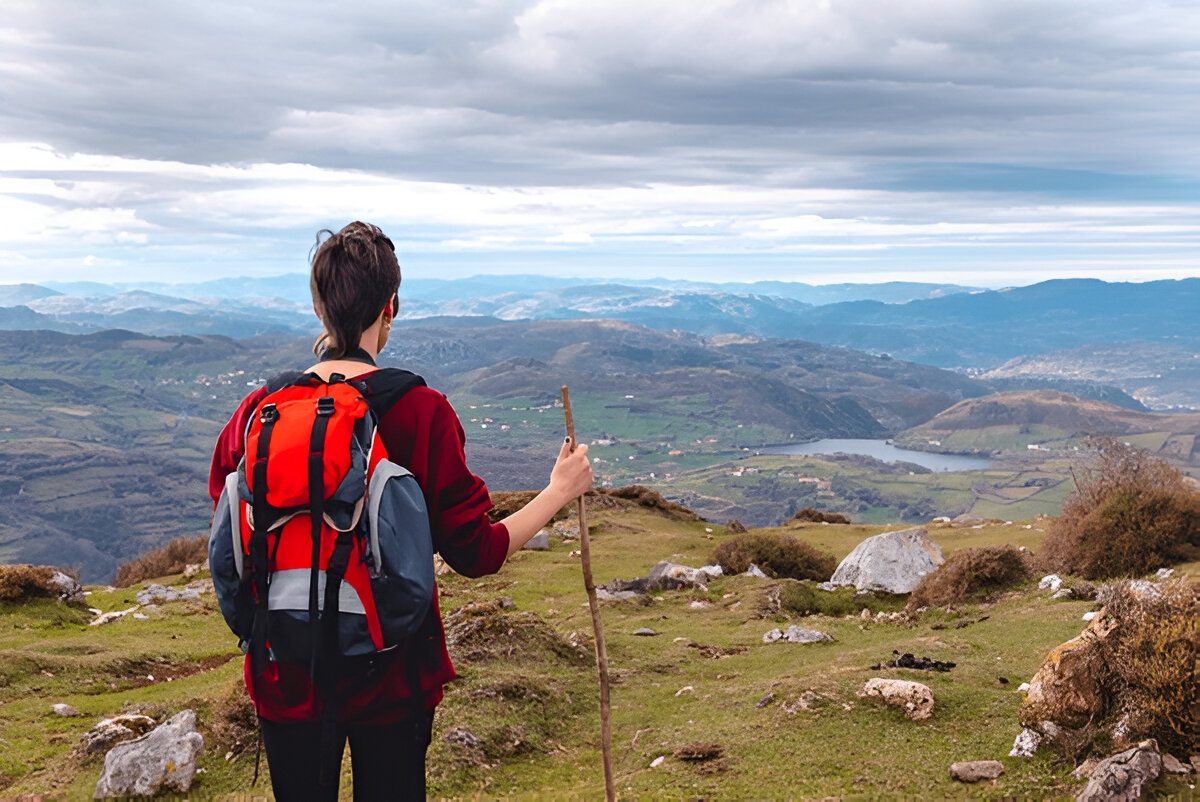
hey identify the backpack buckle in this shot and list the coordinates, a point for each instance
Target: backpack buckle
(268, 414)
(325, 405)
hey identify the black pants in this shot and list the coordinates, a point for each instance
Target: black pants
(388, 760)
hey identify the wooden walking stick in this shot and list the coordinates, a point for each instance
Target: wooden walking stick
(585, 554)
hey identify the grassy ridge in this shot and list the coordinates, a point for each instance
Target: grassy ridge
(531, 703)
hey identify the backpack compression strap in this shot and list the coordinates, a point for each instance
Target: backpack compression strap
(316, 511)
(258, 539)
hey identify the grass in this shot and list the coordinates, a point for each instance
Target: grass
(535, 713)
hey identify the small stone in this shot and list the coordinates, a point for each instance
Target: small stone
(972, 771)
(1026, 743)
(191, 569)
(698, 605)
(766, 700)
(1195, 761)
(1063, 593)
(462, 737)
(712, 570)
(865, 615)
(1172, 764)
(1051, 582)
(1024, 686)
(658, 761)
(645, 632)
(1125, 774)
(141, 616)
(754, 570)
(686, 689)
(506, 603)
(797, 634)
(916, 699)
(539, 542)
(65, 710)
(1090, 614)
(1164, 573)
(773, 635)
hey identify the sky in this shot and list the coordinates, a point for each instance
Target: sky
(986, 143)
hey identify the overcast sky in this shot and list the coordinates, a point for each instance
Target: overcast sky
(990, 143)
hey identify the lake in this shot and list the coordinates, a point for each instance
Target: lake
(884, 451)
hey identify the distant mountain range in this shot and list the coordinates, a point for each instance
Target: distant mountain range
(944, 325)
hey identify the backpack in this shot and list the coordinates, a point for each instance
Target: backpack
(320, 546)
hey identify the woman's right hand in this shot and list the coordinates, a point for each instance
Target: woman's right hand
(572, 474)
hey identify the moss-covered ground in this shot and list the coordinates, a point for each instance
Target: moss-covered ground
(527, 689)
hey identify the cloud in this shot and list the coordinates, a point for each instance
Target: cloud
(164, 131)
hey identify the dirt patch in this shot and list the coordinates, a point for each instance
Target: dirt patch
(501, 636)
(716, 652)
(141, 673)
(699, 751)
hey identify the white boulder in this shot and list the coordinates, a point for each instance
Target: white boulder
(893, 562)
(162, 760)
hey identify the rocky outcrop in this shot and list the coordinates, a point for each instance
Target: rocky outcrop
(1068, 688)
(113, 730)
(916, 699)
(795, 634)
(162, 760)
(1124, 775)
(893, 562)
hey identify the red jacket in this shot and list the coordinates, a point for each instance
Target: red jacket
(421, 432)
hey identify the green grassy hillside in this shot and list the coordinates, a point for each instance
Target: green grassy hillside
(527, 687)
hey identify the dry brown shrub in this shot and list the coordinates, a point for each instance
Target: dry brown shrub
(645, 497)
(970, 574)
(735, 526)
(817, 516)
(1130, 514)
(169, 559)
(779, 556)
(21, 582)
(1153, 661)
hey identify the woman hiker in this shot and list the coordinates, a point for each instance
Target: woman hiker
(388, 724)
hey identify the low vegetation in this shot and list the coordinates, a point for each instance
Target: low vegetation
(1153, 659)
(1129, 515)
(971, 574)
(811, 515)
(172, 558)
(778, 556)
(22, 582)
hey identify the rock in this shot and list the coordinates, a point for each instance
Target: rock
(671, 576)
(604, 594)
(1124, 775)
(1063, 593)
(658, 761)
(462, 737)
(69, 591)
(893, 562)
(916, 699)
(1164, 573)
(1144, 588)
(1172, 765)
(941, 519)
(539, 542)
(1051, 582)
(161, 760)
(698, 605)
(64, 710)
(827, 586)
(795, 634)
(713, 571)
(158, 594)
(1026, 743)
(191, 569)
(1024, 686)
(1084, 769)
(773, 635)
(755, 571)
(113, 730)
(108, 618)
(645, 632)
(1067, 688)
(972, 771)
(807, 701)
(686, 689)
(1090, 615)
(766, 700)
(1195, 761)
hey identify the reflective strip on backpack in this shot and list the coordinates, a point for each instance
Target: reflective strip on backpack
(235, 520)
(289, 591)
(386, 469)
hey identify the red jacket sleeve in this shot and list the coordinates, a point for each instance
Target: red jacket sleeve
(423, 433)
(231, 444)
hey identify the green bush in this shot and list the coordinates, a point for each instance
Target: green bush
(803, 598)
(1129, 515)
(779, 556)
(970, 574)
